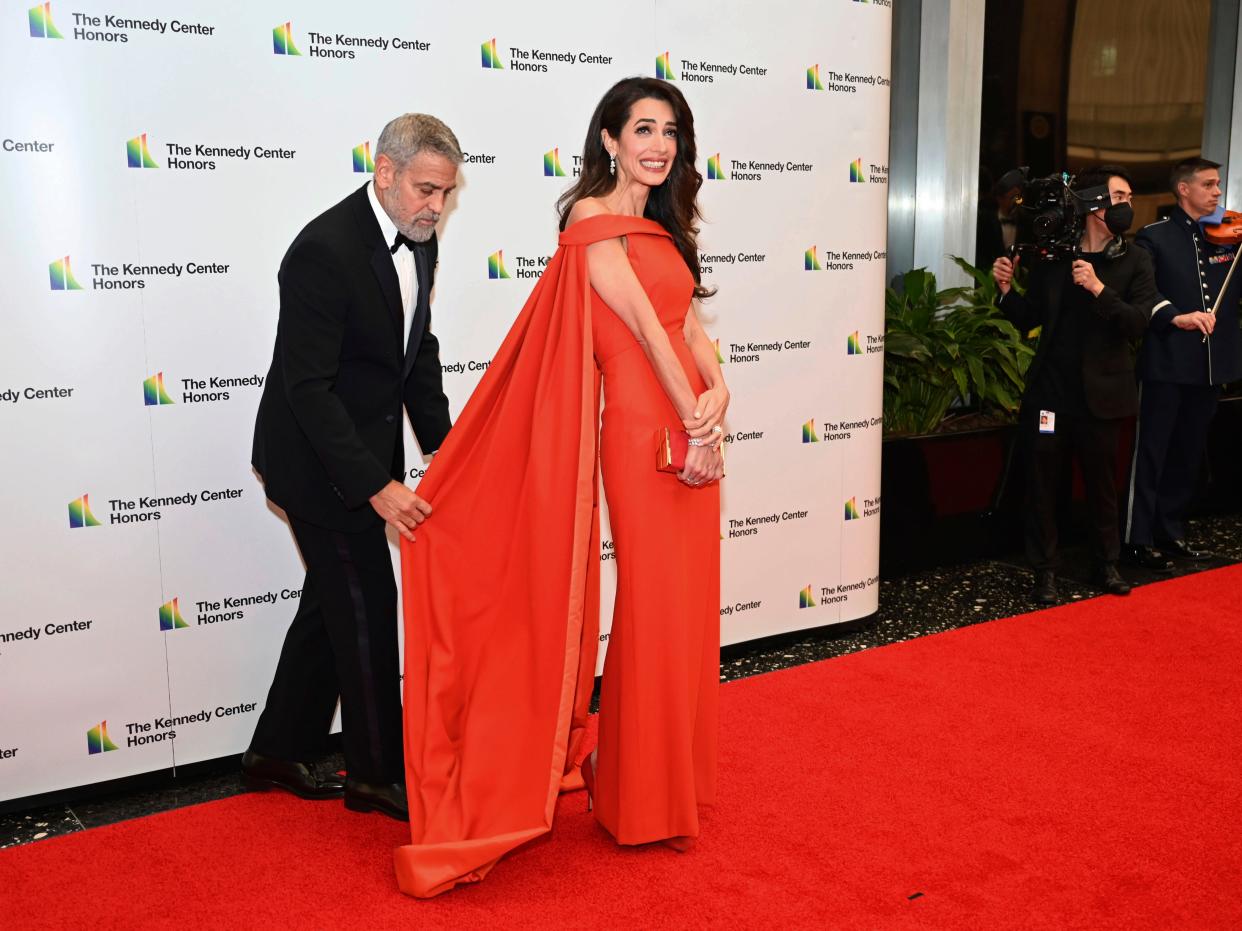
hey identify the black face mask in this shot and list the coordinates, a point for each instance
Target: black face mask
(1118, 218)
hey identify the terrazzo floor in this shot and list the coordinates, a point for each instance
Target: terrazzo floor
(912, 606)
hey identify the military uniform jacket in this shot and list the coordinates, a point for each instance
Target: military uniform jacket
(1190, 271)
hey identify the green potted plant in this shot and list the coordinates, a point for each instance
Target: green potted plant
(950, 356)
(954, 371)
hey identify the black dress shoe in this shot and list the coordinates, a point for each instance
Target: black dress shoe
(1045, 590)
(265, 772)
(1111, 581)
(1147, 557)
(369, 796)
(1180, 549)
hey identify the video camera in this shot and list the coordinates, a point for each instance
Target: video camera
(1049, 215)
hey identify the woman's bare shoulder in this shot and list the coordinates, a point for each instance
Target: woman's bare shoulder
(585, 209)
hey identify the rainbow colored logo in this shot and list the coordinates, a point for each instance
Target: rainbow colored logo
(170, 616)
(714, 171)
(806, 598)
(852, 345)
(719, 357)
(811, 263)
(97, 739)
(41, 25)
(496, 265)
(851, 509)
(808, 432)
(664, 68)
(813, 83)
(80, 513)
(491, 57)
(61, 275)
(552, 164)
(362, 158)
(282, 40)
(138, 154)
(153, 393)
(856, 172)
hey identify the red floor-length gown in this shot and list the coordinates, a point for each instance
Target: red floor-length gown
(501, 587)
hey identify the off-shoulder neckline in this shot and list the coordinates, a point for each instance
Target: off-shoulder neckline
(629, 224)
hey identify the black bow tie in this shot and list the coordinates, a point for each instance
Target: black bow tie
(401, 240)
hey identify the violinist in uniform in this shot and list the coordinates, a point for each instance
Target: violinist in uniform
(1188, 352)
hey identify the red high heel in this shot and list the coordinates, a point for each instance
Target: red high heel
(588, 780)
(681, 843)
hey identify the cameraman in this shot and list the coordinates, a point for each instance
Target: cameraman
(1080, 385)
(1187, 354)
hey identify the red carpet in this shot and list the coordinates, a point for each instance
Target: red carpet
(1077, 768)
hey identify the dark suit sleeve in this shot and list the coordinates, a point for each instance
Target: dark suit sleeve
(1163, 311)
(313, 305)
(1130, 312)
(425, 401)
(1026, 311)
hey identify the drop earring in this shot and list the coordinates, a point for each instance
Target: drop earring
(612, 164)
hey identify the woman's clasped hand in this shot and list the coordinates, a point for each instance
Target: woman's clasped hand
(705, 455)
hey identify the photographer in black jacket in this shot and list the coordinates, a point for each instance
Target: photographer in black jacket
(1080, 385)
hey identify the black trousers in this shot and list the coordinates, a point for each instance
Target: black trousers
(1168, 451)
(342, 642)
(1094, 442)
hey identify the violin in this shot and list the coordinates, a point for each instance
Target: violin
(1228, 232)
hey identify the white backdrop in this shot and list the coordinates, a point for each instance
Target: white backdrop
(157, 160)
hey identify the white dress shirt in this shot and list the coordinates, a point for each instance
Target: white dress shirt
(403, 262)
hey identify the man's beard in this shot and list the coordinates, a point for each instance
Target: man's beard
(413, 231)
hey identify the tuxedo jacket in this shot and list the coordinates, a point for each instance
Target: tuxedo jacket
(1120, 315)
(328, 434)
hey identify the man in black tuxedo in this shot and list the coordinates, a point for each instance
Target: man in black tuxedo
(1080, 385)
(353, 346)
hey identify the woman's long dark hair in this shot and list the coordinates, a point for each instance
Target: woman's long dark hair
(674, 204)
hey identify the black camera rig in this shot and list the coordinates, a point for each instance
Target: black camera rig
(1049, 214)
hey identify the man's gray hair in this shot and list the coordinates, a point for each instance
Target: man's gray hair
(411, 133)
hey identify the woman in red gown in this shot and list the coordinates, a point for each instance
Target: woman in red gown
(502, 584)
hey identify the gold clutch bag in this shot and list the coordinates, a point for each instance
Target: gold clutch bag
(671, 448)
